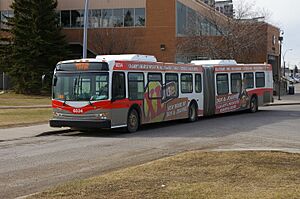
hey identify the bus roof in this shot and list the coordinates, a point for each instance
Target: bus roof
(127, 57)
(214, 62)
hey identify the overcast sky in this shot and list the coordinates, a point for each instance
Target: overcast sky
(285, 15)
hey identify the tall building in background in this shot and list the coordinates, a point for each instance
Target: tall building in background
(225, 7)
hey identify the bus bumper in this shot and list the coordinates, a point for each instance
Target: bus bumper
(96, 124)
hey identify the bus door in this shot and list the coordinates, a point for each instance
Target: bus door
(199, 92)
(119, 103)
(209, 91)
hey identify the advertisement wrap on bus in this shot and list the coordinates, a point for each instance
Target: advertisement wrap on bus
(115, 91)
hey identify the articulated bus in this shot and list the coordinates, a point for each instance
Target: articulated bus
(116, 91)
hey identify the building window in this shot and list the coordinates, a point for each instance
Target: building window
(249, 80)
(118, 17)
(4, 15)
(107, 18)
(140, 17)
(77, 17)
(260, 79)
(128, 17)
(66, 18)
(186, 83)
(181, 18)
(236, 82)
(222, 84)
(136, 86)
(191, 22)
(95, 18)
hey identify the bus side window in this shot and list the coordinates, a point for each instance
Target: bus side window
(136, 86)
(186, 83)
(172, 85)
(222, 84)
(118, 84)
(249, 80)
(236, 83)
(155, 85)
(198, 83)
(260, 79)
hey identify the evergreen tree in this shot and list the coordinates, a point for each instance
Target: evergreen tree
(37, 43)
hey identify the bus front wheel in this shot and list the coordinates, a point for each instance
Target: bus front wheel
(132, 121)
(253, 105)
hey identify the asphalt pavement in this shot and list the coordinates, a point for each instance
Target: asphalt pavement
(35, 130)
(33, 164)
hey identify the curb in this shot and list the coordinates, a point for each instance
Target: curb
(283, 104)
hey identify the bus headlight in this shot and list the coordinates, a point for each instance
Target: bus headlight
(103, 116)
(56, 114)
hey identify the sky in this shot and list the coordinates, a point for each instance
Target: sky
(284, 14)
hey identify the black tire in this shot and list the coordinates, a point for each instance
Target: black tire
(133, 121)
(193, 116)
(253, 105)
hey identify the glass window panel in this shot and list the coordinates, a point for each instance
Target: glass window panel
(119, 85)
(107, 18)
(222, 84)
(260, 79)
(154, 77)
(140, 17)
(236, 83)
(118, 17)
(171, 85)
(77, 18)
(136, 86)
(249, 80)
(65, 18)
(129, 17)
(186, 83)
(181, 18)
(95, 18)
(198, 83)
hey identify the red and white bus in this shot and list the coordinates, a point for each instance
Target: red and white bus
(130, 90)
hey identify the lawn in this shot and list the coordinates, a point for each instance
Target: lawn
(195, 175)
(12, 99)
(17, 117)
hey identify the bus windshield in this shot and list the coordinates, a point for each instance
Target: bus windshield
(80, 86)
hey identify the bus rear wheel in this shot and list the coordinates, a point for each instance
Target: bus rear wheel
(193, 113)
(132, 121)
(253, 105)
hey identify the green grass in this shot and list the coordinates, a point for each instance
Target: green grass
(17, 117)
(195, 175)
(12, 99)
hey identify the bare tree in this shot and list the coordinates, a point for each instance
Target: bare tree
(112, 41)
(219, 37)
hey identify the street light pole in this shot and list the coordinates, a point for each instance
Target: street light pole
(280, 39)
(86, 24)
(284, 60)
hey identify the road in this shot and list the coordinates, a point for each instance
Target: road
(33, 164)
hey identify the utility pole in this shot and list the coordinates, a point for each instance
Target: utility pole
(280, 39)
(86, 24)
(3, 79)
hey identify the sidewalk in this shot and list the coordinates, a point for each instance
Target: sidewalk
(288, 99)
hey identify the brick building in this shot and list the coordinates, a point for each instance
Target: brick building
(148, 27)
